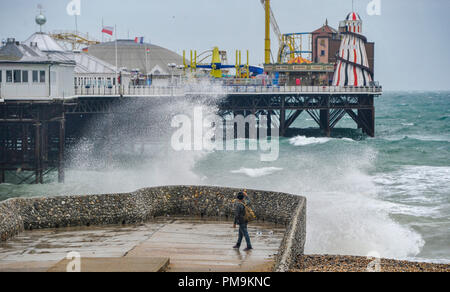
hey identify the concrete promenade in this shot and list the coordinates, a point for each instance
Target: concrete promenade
(165, 244)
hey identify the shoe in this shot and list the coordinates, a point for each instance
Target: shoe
(248, 249)
(236, 247)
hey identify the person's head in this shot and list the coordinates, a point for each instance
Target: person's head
(240, 196)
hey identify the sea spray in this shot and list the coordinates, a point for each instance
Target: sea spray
(257, 172)
(344, 214)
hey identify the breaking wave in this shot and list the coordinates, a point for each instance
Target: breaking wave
(257, 172)
(303, 141)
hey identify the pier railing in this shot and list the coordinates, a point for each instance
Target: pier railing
(226, 90)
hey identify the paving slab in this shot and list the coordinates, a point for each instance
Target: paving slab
(196, 247)
(114, 265)
(35, 267)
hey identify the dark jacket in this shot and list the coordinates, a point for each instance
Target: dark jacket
(239, 212)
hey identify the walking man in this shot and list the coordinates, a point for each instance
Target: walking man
(239, 219)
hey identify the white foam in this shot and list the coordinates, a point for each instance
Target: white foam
(443, 138)
(415, 181)
(355, 224)
(348, 140)
(303, 140)
(344, 214)
(417, 190)
(431, 138)
(257, 172)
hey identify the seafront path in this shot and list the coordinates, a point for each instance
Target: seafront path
(164, 244)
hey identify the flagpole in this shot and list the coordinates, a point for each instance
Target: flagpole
(115, 31)
(103, 38)
(76, 25)
(146, 61)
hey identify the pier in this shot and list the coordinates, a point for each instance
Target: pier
(51, 96)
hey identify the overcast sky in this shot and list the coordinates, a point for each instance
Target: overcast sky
(411, 36)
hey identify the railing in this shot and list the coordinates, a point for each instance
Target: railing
(244, 89)
(303, 89)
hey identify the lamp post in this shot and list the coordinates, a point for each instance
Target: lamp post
(171, 66)
(180, 68)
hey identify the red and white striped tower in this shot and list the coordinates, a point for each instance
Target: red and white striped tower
(352, 62)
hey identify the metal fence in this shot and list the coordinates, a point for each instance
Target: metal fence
(240, 89)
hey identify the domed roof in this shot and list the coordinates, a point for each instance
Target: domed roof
(147, 58)
(353, 16)
(44, 42)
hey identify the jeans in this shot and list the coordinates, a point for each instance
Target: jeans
(243, 232)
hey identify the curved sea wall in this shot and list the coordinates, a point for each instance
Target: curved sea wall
(21, 214)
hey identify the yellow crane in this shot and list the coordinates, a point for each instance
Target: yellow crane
(270, 21)
(290, 45)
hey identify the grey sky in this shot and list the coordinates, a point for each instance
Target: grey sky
(412, 37)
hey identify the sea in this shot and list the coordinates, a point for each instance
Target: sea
(388, 195)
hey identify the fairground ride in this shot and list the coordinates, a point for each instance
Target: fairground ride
(291, 45)
(72, 40)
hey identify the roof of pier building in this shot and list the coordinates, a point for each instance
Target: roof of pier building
(147, 58)
(325, 29)
(85, 63)
(16, 52)
(45, 42)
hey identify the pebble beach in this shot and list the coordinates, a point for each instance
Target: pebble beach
(331, 263)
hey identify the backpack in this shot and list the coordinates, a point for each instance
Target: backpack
(249, 214)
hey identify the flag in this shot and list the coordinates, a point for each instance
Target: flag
(86, 50)
(108, 30)
(139, 40)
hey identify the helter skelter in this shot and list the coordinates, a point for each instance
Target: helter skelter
(353, 65)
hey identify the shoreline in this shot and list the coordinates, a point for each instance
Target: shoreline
(340, 263)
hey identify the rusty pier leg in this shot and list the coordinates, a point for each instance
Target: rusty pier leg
(366, 117)
(325, 117)
(38, 153)
(325, 122)
(62, 138)
(283, 117)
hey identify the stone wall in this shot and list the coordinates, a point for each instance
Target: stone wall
(11, 221)
(21, 214)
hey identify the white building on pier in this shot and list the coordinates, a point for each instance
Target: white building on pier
(28, 73)
(90, 71)
(41, 68)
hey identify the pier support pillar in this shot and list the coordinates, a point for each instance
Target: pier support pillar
(358, 123)
(325, 122)
(368, 116)
(62, 138)
(283, 117)
(269, 123)
(38, 153)
(44, 148)
(25, 142)
(2, 176)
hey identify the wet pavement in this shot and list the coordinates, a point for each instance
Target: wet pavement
(189, 244)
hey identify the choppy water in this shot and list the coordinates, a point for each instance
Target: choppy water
(390, 194)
